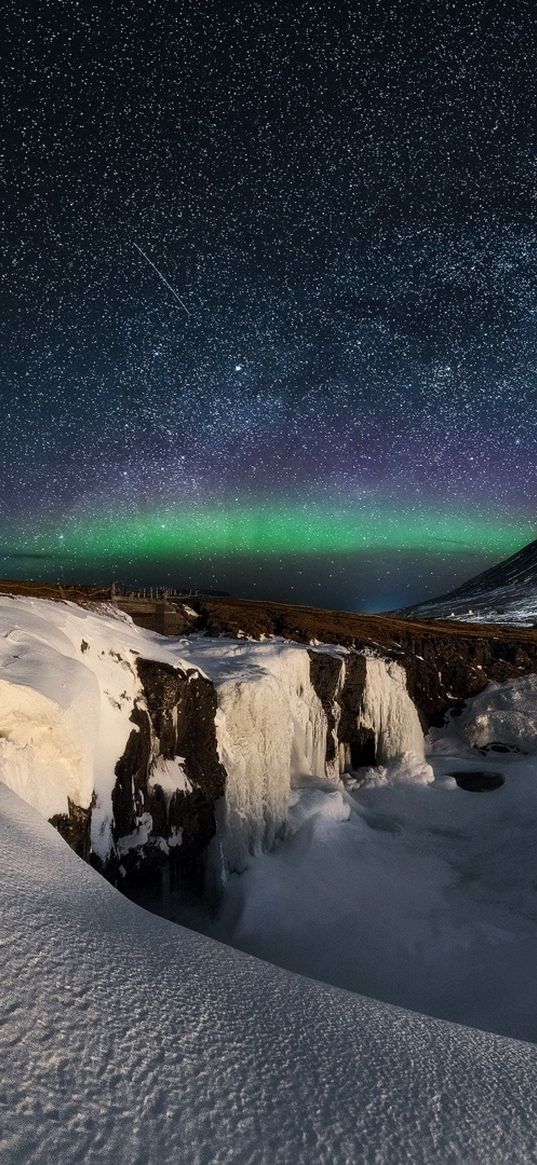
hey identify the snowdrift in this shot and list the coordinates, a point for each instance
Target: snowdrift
(128, 1039)
(504, 714)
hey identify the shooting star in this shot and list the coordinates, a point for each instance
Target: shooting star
(164, 280)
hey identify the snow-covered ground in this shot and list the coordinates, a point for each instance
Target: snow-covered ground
(424, 895)
(127, 1039)
(68, 684)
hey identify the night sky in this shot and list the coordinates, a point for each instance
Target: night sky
(325, 387)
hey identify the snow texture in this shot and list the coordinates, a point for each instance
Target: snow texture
(128, 1039)
(503, 714)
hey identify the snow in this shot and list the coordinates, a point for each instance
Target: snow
(423, 895)
(43, 751)
(504, 713)
(504, 594)
(271, 726)
(69, 685)
(170, 776)
(128, 1039)
(272, 729)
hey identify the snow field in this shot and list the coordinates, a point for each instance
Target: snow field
(125, 1038)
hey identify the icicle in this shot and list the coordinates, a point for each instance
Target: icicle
(389, 711)
(271, 727)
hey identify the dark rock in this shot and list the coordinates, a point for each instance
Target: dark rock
(325, 671)
(445, 663)
(175, 719)
(75, 827)
(132, 771)
(360, 741)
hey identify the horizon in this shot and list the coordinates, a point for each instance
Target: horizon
(271, 588)
(270, 285)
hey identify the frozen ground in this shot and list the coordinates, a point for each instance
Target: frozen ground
(127, 1039)
(424, 895)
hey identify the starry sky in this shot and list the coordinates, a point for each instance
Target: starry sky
(268, 294)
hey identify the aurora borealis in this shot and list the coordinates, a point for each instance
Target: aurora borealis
(325, 388)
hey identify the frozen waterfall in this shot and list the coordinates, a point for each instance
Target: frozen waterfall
(271, 726)
(388, 710)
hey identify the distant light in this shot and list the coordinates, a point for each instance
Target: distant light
(239, 367)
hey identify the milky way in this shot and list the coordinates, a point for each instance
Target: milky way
(324, 376)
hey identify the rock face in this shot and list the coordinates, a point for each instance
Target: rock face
(191, 753)
(170, 788)
(445, 663)
(341, 692)
(309, 714)
(75, 828)
(169, 779)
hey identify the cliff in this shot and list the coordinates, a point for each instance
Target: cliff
(171, 761)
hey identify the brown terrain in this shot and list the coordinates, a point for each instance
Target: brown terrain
(445, 661)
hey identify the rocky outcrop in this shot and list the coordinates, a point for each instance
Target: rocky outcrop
(75, 828)
(158, 826)
(163, 833)
(340, 686)
(197, 764)
(445, 663)
(442, 672)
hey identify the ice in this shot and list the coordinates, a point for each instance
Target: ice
(421, 894)
(170, 776)
(390, 712)
(130, 1039)
(272, 726)
(68, 685)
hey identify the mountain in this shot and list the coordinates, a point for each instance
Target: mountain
(507, 593)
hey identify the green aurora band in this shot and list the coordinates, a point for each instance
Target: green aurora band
(269, 529)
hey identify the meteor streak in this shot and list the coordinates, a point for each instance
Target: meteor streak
(164, 280)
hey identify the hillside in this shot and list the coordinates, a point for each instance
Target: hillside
(505, 594)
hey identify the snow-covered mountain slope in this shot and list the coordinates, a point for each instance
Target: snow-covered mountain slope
(128, 1039)
(507, 593)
